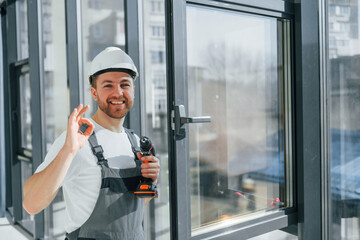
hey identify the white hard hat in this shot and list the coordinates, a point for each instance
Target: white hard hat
(112, 59)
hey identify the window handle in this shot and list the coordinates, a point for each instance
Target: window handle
(180, 119)
(204, 119)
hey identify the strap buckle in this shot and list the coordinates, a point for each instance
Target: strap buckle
(102, 161)
(97, 149)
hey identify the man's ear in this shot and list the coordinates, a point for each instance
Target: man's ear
(93, 93)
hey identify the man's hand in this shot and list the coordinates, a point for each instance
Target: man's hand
(150, 168)
(75, 140)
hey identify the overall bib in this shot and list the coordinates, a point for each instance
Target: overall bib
(117, 214)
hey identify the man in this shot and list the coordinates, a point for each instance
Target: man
(98, 182)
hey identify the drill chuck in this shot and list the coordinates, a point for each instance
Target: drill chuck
(146, 146)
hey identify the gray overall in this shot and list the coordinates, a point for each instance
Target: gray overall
(117, 213)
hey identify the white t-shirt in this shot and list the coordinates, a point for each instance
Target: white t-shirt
(82, 182)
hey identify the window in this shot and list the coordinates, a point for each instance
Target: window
(94, 4)
(332, 42)
(338, 10)
(344, 10)
(56, 97)
(97, 31)
(157, 56)
(107, 29)
(22, 29)
(155, 108)
(344, 126)
(332, 10)
(160, 105)
(158, 31)
(25, 111)
(344, 26)
(22, 130)
(157, 7)
(342, 43)
(159, 80)
(240, 162)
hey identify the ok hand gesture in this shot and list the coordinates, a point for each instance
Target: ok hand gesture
(75, 140)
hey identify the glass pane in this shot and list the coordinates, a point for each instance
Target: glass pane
(27, 220)
(278, 235)
(22, 29)
(25, 111)
(56, 97)
(102, 25)
(55, 74)
(344, 132)
(235, 75)
(157, 224)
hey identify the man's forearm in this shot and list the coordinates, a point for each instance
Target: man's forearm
(41, 188)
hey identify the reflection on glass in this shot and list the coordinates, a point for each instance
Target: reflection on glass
(344, 132)
(25, 111)
(55, 97)
(55, 76)
(22, 29)
(235, 76)
(158, 223)
(102, 25)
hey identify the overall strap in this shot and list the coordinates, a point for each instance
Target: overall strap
(97, 149)
(134, 143)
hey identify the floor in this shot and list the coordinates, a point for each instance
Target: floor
(9, 232)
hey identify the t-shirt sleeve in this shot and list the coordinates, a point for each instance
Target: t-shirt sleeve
(53, 152)
(51, 155)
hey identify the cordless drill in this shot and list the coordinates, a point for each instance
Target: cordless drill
(146, 188)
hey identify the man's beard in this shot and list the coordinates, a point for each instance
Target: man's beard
(104, 106)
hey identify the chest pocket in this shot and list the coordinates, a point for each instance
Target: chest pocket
(121, 180)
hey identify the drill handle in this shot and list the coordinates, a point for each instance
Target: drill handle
(148, 153)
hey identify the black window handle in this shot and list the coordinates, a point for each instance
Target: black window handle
(204, 119)
(180, 119)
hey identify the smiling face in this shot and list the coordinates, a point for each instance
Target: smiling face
(114, 92)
